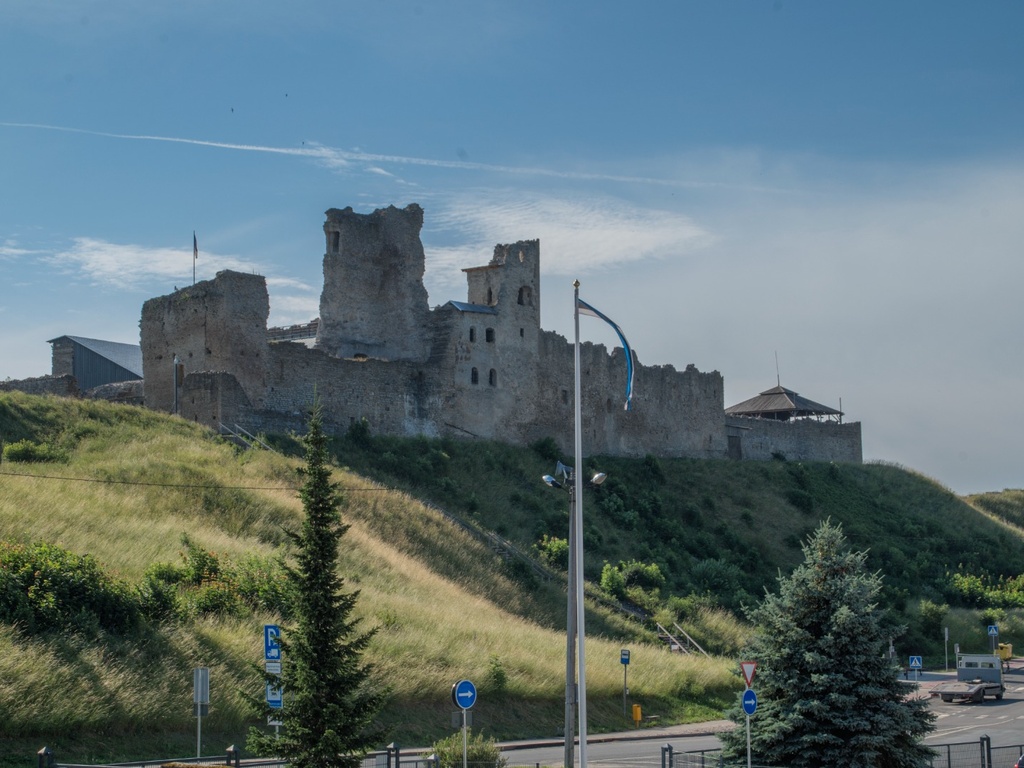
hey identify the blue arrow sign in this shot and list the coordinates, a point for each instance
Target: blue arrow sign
(464, 694)
(915, 662)
(749, 701)
(271, 646)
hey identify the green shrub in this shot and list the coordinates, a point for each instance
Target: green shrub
(358, 434)
(28, 451)
(481, 752)
(647, 576)
(14, 604)
(553, 551)
(64, 591)
(497, 677)
(613, 582)
(204, 584)
(262, 584)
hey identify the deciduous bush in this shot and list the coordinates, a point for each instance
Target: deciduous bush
(481, 751)
(62, 590)
(28, 451)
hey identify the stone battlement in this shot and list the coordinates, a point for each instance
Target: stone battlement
(480, 368)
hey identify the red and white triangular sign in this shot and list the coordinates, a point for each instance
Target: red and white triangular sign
(748, 667)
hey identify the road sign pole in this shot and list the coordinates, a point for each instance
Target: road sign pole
(625, 687)
(624, 659)
(748, 741)
(464, 740)
(200, 696)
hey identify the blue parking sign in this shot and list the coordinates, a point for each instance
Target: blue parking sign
(271, 644)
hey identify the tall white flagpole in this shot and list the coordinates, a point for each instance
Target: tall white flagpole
(580, 634)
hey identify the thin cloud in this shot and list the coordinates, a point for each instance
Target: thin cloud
(11, 251)
(594, 234)
(340, 159)
(130, 266)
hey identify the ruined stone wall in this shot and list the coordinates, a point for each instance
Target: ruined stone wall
(480, 369)
(675, 413)
(396, 398)
(373, 301)
(796, 440)
(213, 398)
(214, 325)
(62, 386)
(62, 357)
(124, 392)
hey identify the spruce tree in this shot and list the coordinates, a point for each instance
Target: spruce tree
(827, 692)
(331, 701)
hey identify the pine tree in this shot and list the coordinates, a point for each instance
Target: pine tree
(827, 693)
(331, 701)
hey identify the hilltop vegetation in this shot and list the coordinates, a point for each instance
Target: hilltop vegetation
(720, 529)
(192, 532)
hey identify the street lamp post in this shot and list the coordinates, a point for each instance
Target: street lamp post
(568, 482)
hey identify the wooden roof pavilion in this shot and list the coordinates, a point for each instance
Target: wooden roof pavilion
(781, 404)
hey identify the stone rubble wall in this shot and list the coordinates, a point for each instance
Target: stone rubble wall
(796, 440)
(64, 385)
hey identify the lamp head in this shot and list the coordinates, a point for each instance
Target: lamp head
(599, 478)
(551, 481)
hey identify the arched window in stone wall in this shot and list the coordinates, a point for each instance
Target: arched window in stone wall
(526, 296)
(489, 335)
(474, 376)
(490, 297)
(492, 378)
(335, 242)
(472, 333)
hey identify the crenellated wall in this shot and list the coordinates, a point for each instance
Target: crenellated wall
(482, 368)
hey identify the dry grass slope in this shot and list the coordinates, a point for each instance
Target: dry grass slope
(444, 608)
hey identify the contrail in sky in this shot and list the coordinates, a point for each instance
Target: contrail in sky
(334, 157)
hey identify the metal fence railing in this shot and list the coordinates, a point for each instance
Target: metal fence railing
(968, 754)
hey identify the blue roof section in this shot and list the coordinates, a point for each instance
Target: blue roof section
(128, 356)
(462, 306)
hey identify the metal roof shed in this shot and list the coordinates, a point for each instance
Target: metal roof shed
(94, 362)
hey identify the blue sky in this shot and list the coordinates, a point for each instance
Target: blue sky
(837, 184)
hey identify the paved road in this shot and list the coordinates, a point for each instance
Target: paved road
(1002, 721)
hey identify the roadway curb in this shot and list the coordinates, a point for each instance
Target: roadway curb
(709, 728)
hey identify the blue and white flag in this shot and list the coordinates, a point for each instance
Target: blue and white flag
(585, 309)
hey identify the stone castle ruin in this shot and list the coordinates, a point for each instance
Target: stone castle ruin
(480, 368)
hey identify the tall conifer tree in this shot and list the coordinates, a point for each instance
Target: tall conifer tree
(331, 701)
(827, 692)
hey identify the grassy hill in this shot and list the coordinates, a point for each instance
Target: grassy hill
(124, 485)
(720, 527)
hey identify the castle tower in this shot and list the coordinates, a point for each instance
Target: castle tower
(511, 282)
(374, 304)
(217, 325)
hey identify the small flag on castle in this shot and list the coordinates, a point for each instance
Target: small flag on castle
(195, 255)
